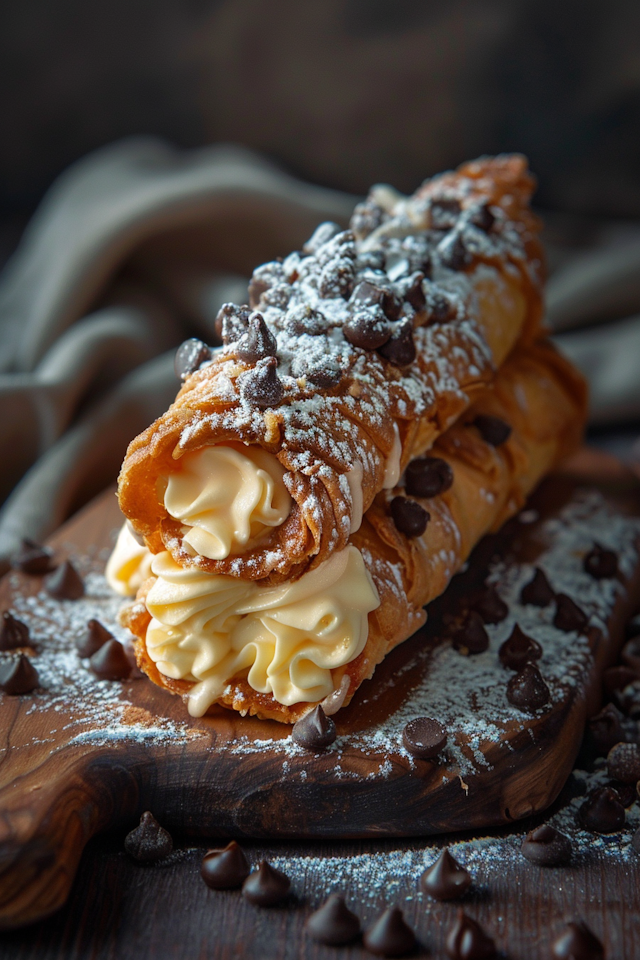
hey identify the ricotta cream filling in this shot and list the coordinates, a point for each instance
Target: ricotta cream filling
(129, 565)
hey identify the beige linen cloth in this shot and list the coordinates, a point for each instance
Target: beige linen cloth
(135, 248)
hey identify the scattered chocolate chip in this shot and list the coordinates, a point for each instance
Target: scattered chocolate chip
(467, 940)
(231, 322)
(367, 329)
(324, 373)
(546, 847)
(94, 637)
(322, 234)
(315, 731)
(606, 728)
(400, 349)
(527, 690)
(538, 591)
(440, 307)
(490, 605)
(65, 583)
(471, 637)
(623, 762)
(577, 942)
(257, 342)
(409, 517)
(482, 217)
(149, 842)
(427, 477)
(444, 213)
(302, 319)
(390, 936)
(18, 676)
(110, 662)
(226, 868)
(366, 218)
(262, 386)
(616, 678)
(266, 886)
(336, 279)
(631, 654)
(601, 564)
(445, 879)
(569, 616)
(518, 650)
(333, 923)
(493, 430)
(424, 737)
(453, 252)
(33, 558)
(190, 356)
(413, 291)
(13, 632)
(602, 811)
(627, 793)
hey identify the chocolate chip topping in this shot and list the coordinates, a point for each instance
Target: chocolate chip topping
(266, 886)
(262, 387)
(490, 605)
(333, 923)
(444, 213)
(149, 842)
(445, 879)
(527, 690)
(467, 940)
(453, 251)
(33, 558)
(602, 811)
(428, 477)
(577, 942)
(424, 737)
(440, 307)
(546, 847)
(366, 218)
(400, 349)
(302, 319)
(569, 616)
(13, 632)
(606, 728)
(471, 637)
(322, 234)
(390, 936)
(409, 517)
(623, 762)
(538, 591)
(18, 676)
(482, 217)
(232, 321)
(94, 637)
(493, 430)
(627, 792)
(413, 291)
(226, 868)
(325, 372)
(368, 329)
(336, 279)
(110, 662)
(257, 342)
(315, 731)
(65, 583)
(190, 356)
(601, 564)
(518, 650)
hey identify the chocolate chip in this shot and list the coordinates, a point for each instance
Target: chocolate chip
(409, 517)
(631, 654)
(601, 564)
(453, 252)
(606, 728)
(538, 591)
(110, 662)
(444, 213)
(482, 217)
(390, 936)
(569, 616)
(266, 886)
(445, 879)
(577, 942)
(366, 218)
(546, 847)
(257, 342)
(231, 322)
(424, 737)
(413, 291)
(322, 372)
(302, 319)
(226, 868)
(336, 279)
(65, 583)
(467, 940)
(440, 307)
(490, 605)
(18, 676)
(527, 690)
(628, 699)
(623, 762)
(493, 430)
(149, 842)
(400, 349)
(33, 558)
(94, 637)
(518, 650)
(627, 792)
(428, 477)
(471, 637)
(367, 329)
(602, 811)
(617, 678)
(322, 234)
(333, 923)
(13, 632)
(262, 387)
(315, 731)
(190, 356)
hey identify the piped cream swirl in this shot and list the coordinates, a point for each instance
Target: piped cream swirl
(129, 565)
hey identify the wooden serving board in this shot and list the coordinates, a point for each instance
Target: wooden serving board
(81, 755)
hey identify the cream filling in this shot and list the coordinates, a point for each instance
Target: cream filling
(210, 628)
(129, 565)
(392, 466)
(227, 497)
